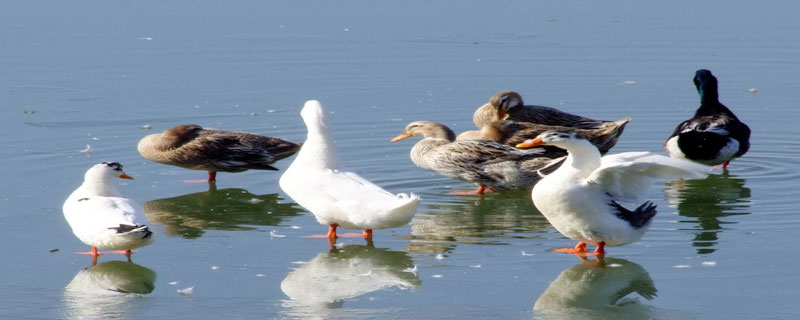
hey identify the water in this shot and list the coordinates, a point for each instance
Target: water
(93, 73)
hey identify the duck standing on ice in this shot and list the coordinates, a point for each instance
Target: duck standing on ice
(714, 135)
(99, 215)
(581, 198)
(317, 181)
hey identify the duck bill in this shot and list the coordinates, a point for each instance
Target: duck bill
(501, 114)
(401, 136)
(531, 143)
(125, 176)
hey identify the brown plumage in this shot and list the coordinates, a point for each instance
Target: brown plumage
(192, 147)
(484, 163)
(508, 105)
(512, 133)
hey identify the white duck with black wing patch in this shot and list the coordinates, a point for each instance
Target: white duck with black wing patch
(581, 199)
(101, 217)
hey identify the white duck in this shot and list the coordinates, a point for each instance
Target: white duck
(101, 217)
(580, 199)
(317, 181)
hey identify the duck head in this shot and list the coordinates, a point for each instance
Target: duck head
(426, 129)
(314, 116)
(561, 139)
(105, 171)
(706, 85)
(504, 101)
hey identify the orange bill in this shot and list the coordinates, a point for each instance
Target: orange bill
(531, 143)
(401, 136)
(125, 176)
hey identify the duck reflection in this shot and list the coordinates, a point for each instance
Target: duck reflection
(107, 290)
(225, 209)
(707, 201)
(332, 277)
(598, 289)
(469, 220)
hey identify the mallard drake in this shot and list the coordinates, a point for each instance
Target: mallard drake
(99, 215)
(581, 198)
(714, 135)
(317, 181)
(508, 105)
(512, 133)
(485, 163)
(193, 147)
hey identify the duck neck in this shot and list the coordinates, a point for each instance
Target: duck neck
(421, 150)
(319, 148)
(709, 102)
(581, 160)
(97, 187)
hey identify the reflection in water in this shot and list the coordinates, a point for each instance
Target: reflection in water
(107, 290)
(596, 289)
(467, 219)
(226, 209)
(332, 277)
(706, 201)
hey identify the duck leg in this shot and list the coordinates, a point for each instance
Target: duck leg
(579, 248)
(481, 190)
(212, 177)
(725, 165)
(332, 231)
(94, 252)
(601, 249)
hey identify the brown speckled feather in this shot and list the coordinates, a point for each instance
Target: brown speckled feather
(511, 103)
(495, 165)
(512, 133)
(192, 147)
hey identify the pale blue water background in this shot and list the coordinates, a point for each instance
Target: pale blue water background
(84, 72)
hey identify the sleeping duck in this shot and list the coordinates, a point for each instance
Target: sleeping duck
(508, 105)
(319, 182)
(99, 215)
(714, 135)
(193, 147)
(490, 165)
(512, 133)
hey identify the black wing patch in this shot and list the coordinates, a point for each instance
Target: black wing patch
(127, 228)
(639, 217)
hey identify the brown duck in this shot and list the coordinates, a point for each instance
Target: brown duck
(193, 147)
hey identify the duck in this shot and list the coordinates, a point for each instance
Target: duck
(318, 181)
(581, 199)
(508, 105)
(512, 132)
(489, 165)
(191, 146)
(101, 217)
(714, 135)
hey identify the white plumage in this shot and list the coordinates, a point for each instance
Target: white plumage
(317, 181)
(580, 199)
(99, 215)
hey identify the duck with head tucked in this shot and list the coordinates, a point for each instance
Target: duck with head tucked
(508, 105)
(512, 133)
(490, 165)
(194, 147)
(714, 135)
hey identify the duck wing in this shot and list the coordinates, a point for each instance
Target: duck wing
(240, 151)
(626, 176)
(98, 212)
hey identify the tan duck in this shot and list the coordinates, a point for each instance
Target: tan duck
(192, 147)
(485, 163)
(508, 105)
(512, 133)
